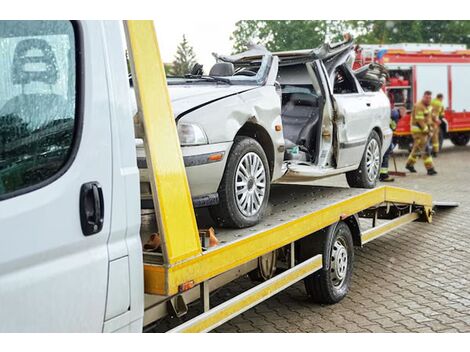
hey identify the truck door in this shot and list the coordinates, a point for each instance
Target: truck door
(55, 177)
(352, 117)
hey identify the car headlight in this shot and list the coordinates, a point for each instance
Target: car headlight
(190, 134)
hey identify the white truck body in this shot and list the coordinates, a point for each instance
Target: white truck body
(47, 266)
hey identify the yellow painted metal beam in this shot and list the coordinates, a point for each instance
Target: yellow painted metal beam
(170, 189)
(406, 196)
(223, 258)
(383, 229)
(241, 303)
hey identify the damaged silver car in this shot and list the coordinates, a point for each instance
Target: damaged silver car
(260, 118)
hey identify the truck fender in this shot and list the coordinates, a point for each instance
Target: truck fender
(311, 245)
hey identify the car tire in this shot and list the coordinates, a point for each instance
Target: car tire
(234, 205)
(460, 139)
(366, 175)
(331, 284)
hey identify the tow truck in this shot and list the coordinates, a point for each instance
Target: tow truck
(73, 233)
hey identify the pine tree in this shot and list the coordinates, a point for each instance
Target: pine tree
(184, 58)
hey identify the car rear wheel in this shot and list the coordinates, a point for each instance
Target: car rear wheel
(244, 189)
(368, 172)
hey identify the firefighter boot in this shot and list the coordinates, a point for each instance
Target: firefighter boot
(410, 168)
(432, 172)
(386, 178)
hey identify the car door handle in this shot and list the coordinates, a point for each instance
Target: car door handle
(368, 104)
(91, 208)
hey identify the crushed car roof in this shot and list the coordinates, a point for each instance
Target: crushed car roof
(324, 52)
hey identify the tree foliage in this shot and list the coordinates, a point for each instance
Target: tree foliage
(184, 59)
(289, 35)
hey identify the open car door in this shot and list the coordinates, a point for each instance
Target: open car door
(326, 132)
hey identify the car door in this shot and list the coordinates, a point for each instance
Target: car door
(318, 75)
(352, 117)
(55, 177)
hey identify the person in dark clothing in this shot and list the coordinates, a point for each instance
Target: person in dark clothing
(395, 116)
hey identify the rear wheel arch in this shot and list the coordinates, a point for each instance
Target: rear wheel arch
(310, 245)
(259, 133)
(354, 226)
(378, 130)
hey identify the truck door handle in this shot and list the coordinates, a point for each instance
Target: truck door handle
(91, 208)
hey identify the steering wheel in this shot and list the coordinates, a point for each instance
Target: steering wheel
(245, 72)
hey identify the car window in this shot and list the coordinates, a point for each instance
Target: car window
(344, 81)
(37, 101)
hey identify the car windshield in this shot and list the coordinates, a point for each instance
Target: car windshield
(235, 70)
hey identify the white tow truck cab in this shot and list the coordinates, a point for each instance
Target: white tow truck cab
(71, 225)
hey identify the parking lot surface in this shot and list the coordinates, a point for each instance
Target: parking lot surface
(415, 279)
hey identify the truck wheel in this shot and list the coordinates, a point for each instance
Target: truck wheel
(244, 189)
(405, 143)
(368, 172)
(267, 265)
(460, 139)
(331, 284)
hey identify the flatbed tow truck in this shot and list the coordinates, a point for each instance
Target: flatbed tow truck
(308, 233)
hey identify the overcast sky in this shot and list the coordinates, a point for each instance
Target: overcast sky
(205, 35)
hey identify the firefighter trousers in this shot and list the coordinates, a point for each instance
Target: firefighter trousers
(420, 149)
(435, 138)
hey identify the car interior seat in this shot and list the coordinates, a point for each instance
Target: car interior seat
(222, 69)
(300, 119)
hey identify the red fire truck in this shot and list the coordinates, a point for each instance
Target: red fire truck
(415, 68)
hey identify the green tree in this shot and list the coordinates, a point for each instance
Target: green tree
(290, 35)
(384, 32)
(184, 59)
(286, 35)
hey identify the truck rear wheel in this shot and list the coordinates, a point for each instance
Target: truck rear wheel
(244, 189)
(460, 139)
(368, 172)
(331, 284)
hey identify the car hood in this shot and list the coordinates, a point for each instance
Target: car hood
(187, 97)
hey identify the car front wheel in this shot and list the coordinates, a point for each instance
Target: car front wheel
(245, 185)
(368, 172)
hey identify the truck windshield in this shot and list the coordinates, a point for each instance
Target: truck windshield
(243, 72)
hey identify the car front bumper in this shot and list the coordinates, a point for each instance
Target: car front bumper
(205, 165)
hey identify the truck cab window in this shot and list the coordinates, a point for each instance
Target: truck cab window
(37, 101)
(344, 81)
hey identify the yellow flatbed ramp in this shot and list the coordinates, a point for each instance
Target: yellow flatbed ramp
(294, 212)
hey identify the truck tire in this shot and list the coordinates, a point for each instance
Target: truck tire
(244, 189)
(331, 284)
(460, 139)
(367, 174)
(405, 143)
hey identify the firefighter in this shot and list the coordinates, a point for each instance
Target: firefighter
(437, 115)
(395, 116)
(422, 127)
